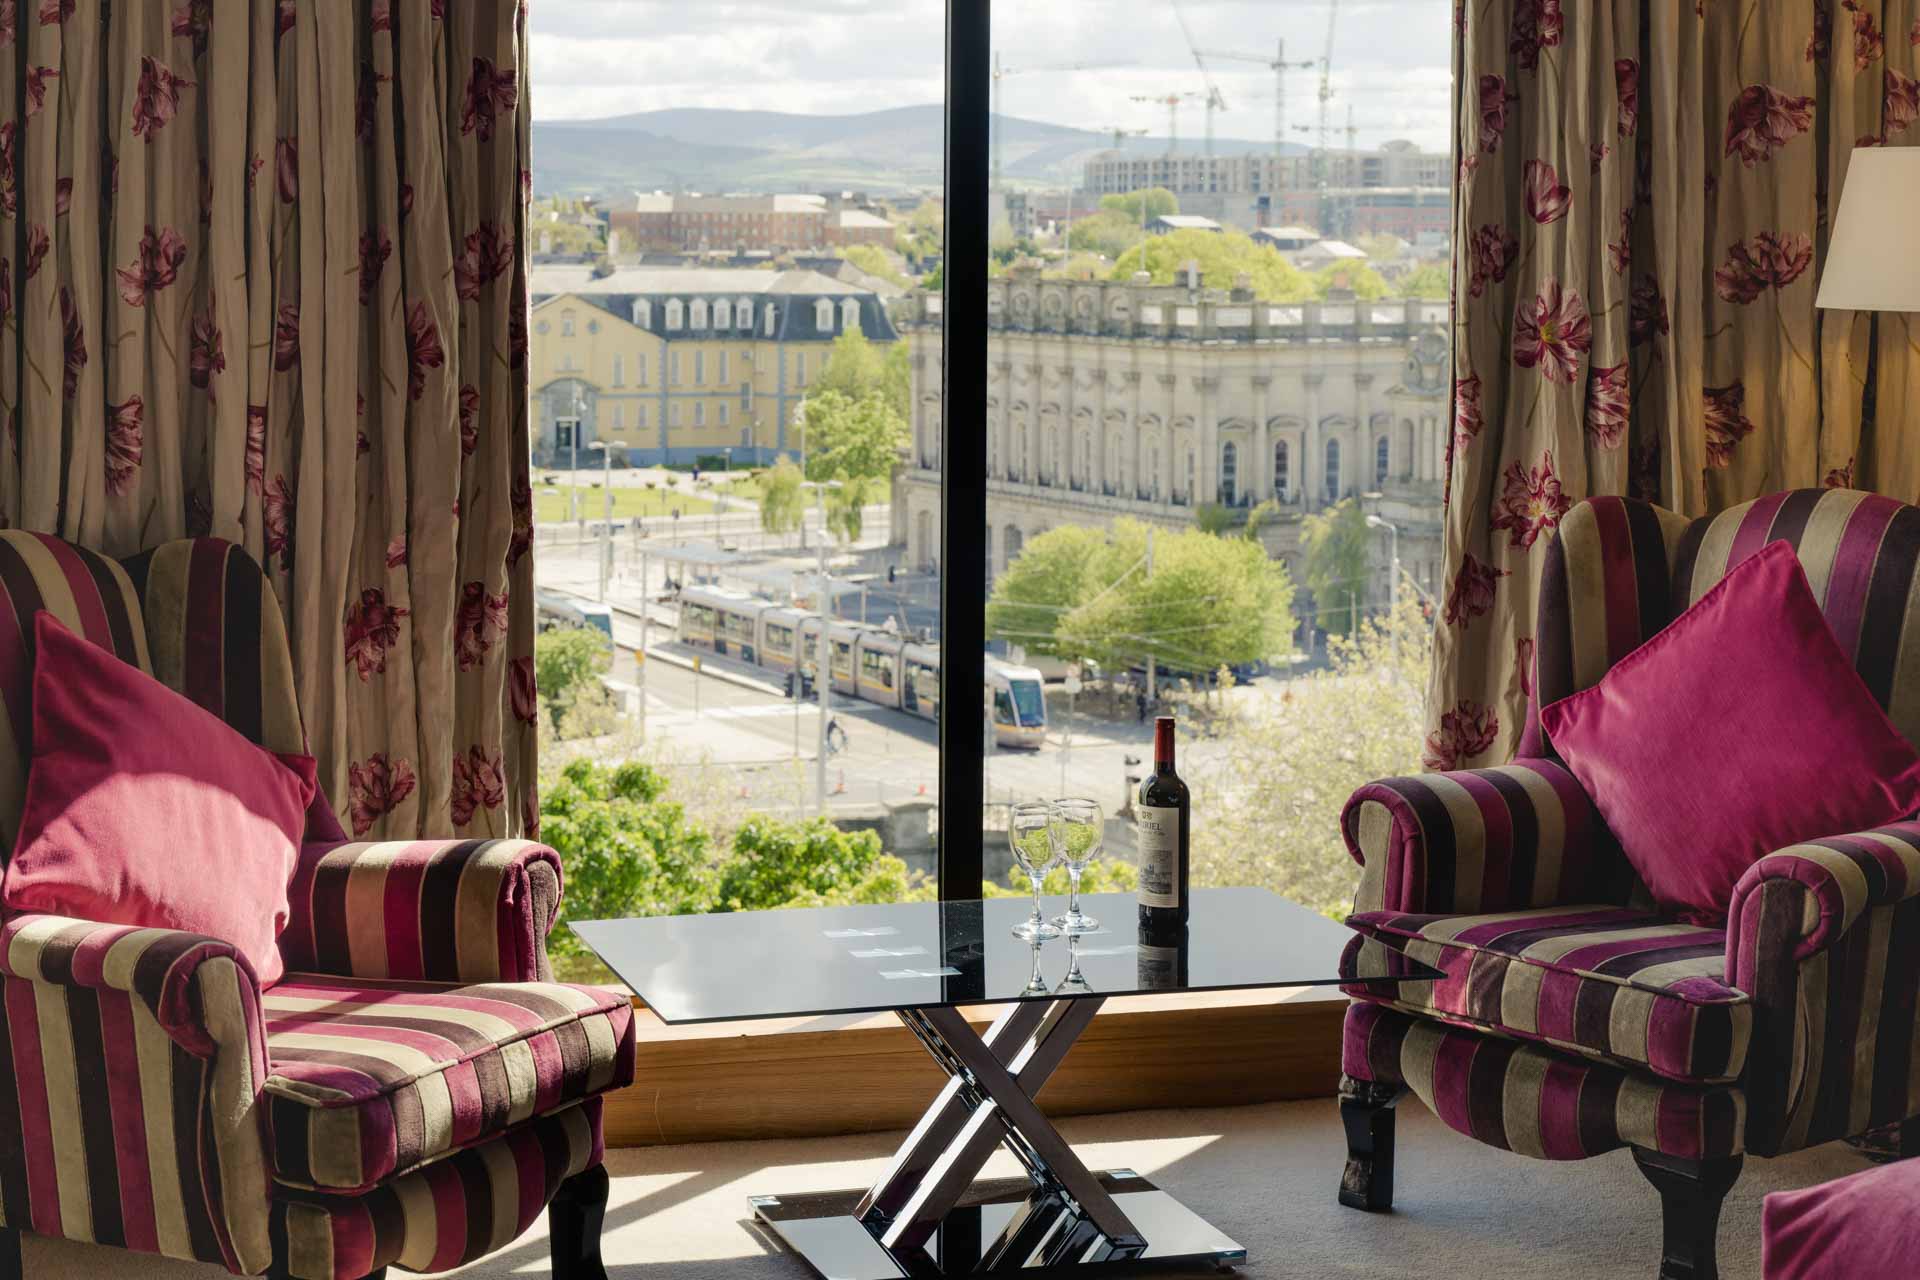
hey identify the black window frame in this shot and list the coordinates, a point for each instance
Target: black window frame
(963, 453)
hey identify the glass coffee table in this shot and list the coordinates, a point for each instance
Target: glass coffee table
(927, 1215)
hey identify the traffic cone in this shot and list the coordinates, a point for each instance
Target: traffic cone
(840, 786)
(923, 789)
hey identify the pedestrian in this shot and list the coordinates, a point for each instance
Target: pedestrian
(1140, 705)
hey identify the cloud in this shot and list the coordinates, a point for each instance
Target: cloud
(1391, 60)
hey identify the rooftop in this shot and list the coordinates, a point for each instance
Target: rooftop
(550, 280)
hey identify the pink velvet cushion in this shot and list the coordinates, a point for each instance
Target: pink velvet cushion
(1862, 1227)
(1739, 729)
(144, 809)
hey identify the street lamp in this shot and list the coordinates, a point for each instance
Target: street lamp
(573, 464)
(606, 530)
(1393, 569)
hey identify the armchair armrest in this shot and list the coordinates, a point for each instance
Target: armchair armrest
(438, 910)
(1821, 937)
(1481, 840)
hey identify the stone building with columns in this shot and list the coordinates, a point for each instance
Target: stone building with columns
(1113, 399)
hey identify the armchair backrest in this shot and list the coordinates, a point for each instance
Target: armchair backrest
(1620, 569)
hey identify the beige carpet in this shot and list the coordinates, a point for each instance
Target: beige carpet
(1266, 1175)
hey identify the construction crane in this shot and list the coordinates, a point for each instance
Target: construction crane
(1322, 159)
(1214, 100)
(1119, 134)
(1279, 65)
(1000, 73)
(1171, 101)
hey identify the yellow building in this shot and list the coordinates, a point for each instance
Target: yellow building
(672, 364)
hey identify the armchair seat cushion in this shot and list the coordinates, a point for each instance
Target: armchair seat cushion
(1610, 983)
(368, 1080)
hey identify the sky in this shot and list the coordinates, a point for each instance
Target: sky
(596, 58)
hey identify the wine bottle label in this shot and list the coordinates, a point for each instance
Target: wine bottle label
(1158, 967)
(1159, 839)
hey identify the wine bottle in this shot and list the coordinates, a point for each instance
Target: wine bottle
(1163, 818)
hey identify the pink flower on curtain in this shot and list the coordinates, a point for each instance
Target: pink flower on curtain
(1626, 86)
(372, 628)
(380, 17)
(489, 90)
(37, 78)
(254, 166)
(1495, 94)
(6, 296)
(125, 443)
(366, 99)
(193, 21)
(156, 97)
(1597, 152)
(520, 500)
(1490, 251)
(469, 419)
(1762, 120)
(1769, 259)
(529, 815)
(478, 782)
(1620, 252)
(1532, 502)
(207, 358)
(55, 12)
(1900, 102)
(1548, 199)
(522, 686)
(286, 167)
(1607, 395)
(396, 551)
(62, 196)
(517, 338)
(1821, 41)
(1523, 663)
(375, 248)
(1646, 312)
(286, 336)
(276, 515)
(160, 256)
(478, 624)
(488, 253)
(375, 787)
(37, 245)
(1552, 331)
(1726, 422)
(9, 18)
(1868, 42)
(1464, 733)
(1472, 591)
(256, 447)
(286, 16)
(9, 187)
(361, 445)
(1467, 419)
(1537, 25)
(406, 199)
(1842, 477)
(423, 348)
(76, 341)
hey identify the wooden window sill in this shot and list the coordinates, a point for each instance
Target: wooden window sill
(855, 1073)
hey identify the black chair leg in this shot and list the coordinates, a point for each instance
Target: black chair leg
(1691, 1192)
(1366, 1111)
(573, 1223)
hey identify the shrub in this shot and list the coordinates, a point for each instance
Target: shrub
(567, 662)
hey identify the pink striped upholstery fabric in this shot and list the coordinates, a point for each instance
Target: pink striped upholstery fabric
(1480, 840)
(433, 910)
(369, 1080)
(439, 1217)
(1609, 983)
(90, 594)
(131, 1062)
(1535, 1102)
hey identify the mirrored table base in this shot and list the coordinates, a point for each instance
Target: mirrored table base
(927, 1216)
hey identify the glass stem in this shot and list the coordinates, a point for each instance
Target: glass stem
(1034, 880)
(1073, 893)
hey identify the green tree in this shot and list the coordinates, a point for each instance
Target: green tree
(924, 234)
(1360, 279)
(847, 504)
(782, 502)
(567, 663)
(896, 381)
(1108, 233)
(1381, 246)
(873, 260)
(848, 438)
(1429, 281)
(1045, 582)
(625, 849)
(1158, 201)
(1338, 547)
(772, 863)
(1214, 517)
(1223, 256)
(855, 367)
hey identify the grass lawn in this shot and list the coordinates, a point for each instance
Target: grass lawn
(550, 504)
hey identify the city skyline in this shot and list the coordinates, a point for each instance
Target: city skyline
(842, 57)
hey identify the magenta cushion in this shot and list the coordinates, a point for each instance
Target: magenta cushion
(1861, 1227)
(1739, 729)
(143, 808)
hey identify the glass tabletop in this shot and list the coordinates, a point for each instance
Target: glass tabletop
(864, 959)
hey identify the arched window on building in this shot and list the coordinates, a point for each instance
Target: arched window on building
(1011, 542)
(1282, 472)
(566, 324)
(1229, 473)
(743, 312)
(1192, 478)
(723, 314)
(698, 310)
(674, 313)
(823, 315)
(643, 313)
(1333, 471)
(1382, 461)
(850, 313)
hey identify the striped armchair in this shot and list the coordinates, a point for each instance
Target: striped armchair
(1573, 1019)
(414, 1092)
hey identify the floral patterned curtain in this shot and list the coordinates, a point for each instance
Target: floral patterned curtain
(1642, 206)
(262, 279)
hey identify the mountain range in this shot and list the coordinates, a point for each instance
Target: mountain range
(891, 151)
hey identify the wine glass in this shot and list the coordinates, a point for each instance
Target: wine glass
(1082, 826)
(1075, 983)
(1033, 833)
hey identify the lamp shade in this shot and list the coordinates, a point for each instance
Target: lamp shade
(1873, 255)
